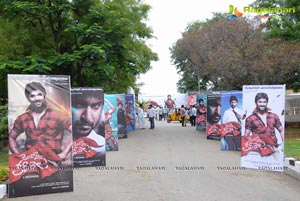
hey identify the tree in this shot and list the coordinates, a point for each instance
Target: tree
(285, 26)
(97, 43)
(232, 54)
(282, 25)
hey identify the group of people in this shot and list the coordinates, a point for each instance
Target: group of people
(188, 114)
(164, 112)
(195, 114)
(152, 113)
(262, 121)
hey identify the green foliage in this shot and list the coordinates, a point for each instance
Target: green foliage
(143, 103)
(4, 158)
(97, 43)
(213, 54)
(185, 85)
(227, 55)
(4, 172)
(292, 142)
(3, 122)
(282, 25)
(296, 87)
(292, 149)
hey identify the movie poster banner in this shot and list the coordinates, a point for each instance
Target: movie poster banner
(263, 134)
(111, 122)
(213, 127)
(88, 121)
(201, 112)
(40, 135)
(191, 99)
(130, 112)
(121, 116)
(232, 120)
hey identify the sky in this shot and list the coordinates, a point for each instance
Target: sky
(169, 19)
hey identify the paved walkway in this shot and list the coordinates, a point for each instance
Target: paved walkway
(173, 163)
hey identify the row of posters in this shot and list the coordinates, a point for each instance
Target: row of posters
(250, 121)
(54, 128)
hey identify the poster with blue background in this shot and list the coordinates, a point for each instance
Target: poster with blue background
(111, 124)
(201, 112)
(232, 120)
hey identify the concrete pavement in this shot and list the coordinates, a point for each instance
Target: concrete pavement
(173, 163)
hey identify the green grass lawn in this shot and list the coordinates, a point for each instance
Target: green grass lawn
(4, 158)
(292, 142)
(3, 166)
(292, 149)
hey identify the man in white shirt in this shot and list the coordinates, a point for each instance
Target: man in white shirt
(141, 117)
(193, 114)
(233, 114)
(151, 114)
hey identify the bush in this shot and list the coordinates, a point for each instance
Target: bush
(3, 122)
(4, 172)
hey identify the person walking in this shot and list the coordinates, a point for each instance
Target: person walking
(193, 114)
(187, 115)
(182, 114)
(165, 113)
(160, 113)
(151, 115)
(141, 117)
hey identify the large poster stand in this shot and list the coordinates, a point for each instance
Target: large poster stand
(130, 112)
(201, 112)
(88, 120)
(121, 116)
(111, 123)
(232, 120)
(39, 135)
(263, 134)
(213, 127)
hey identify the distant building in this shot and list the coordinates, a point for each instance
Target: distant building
(292, 108)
